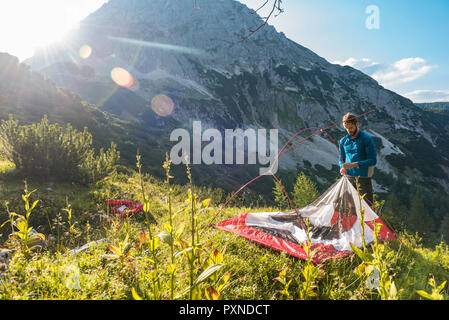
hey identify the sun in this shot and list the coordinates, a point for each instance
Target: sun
(27, 25)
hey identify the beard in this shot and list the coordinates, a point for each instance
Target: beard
(353, 133)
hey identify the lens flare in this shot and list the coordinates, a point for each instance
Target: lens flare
(72, 58)
(85, 51)
(162, 105)
(135, 85)
(122, 77)
(163, 46)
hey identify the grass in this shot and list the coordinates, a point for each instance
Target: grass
(182, 257)
(6, 166)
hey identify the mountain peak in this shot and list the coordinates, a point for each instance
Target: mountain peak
(7, 59)
(214, 31)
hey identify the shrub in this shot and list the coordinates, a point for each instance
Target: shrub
(102, 165)
(47, 150)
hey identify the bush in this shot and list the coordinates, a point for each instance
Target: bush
(102, 165)
(47, 150)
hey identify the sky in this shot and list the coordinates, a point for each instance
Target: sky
(406, 51)
(400, 43)
(26, 25)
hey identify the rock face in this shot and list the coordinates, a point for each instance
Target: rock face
(195, 57)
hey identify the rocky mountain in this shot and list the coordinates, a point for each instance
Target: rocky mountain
(28, 96)
(434, 105)
(194, 57)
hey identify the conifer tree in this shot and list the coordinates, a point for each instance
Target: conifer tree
(419, 219)
(444, 228)
(280, 198)
(394, 210)
(304, 191)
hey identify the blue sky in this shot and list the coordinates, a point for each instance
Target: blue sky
(408, 53)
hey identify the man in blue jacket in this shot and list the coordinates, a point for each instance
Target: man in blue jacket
(358, 156)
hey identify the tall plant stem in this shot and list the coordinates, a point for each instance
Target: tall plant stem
(170, 213)
(192, 222)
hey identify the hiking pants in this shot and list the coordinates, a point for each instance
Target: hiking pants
(365, 186)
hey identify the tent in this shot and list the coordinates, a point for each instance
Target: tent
(124, 208)
(334, 218)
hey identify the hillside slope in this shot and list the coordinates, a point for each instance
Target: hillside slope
(28, 95)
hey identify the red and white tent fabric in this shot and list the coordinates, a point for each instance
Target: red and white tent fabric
(124, 208)
(334, 217)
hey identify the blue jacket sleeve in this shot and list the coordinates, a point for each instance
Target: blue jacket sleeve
(342, 153)
(371, 154)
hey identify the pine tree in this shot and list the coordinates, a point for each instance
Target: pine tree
(419, 219)
(280, 198)
(304, 191)
(395, 211)
(444, 228)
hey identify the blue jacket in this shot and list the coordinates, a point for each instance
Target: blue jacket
(361, 150)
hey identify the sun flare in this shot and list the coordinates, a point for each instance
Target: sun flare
(27, 25)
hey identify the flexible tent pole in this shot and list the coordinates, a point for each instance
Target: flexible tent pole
(283, 152)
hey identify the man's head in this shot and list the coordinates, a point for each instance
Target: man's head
(351, 124)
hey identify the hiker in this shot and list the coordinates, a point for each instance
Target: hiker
(358, 151)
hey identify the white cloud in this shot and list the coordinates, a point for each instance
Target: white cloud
(402, 71)
(357, 63)
(418, 96)
(366, 65)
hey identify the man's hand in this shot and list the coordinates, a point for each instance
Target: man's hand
(350, 165)
(342, 171)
